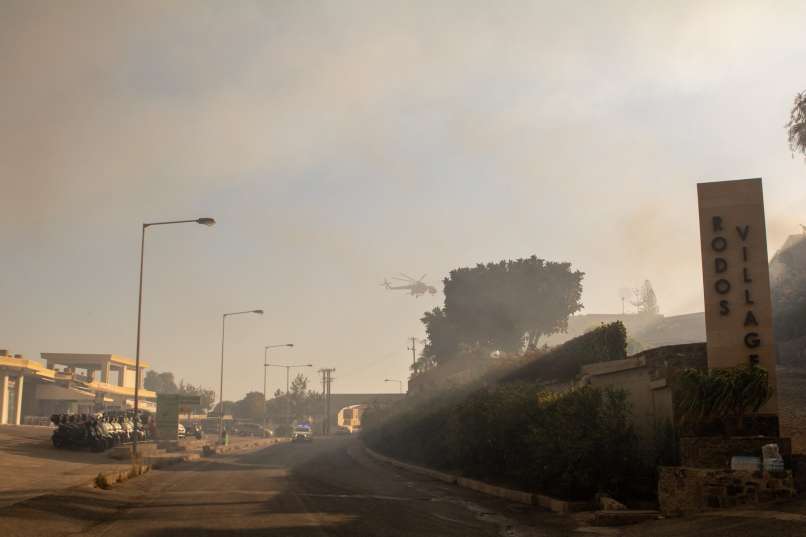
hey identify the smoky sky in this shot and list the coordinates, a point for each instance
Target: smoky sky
(338, 143)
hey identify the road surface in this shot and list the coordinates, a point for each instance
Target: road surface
(331, 488)
(326, 488)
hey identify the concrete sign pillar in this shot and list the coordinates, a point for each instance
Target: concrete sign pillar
(736, 279)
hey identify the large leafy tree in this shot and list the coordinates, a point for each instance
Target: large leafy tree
(206, 395)
(160, 382)
(503, 306)
(250, 407)
(299, 404)
(797, 125)
(164, 383)
(789, 293)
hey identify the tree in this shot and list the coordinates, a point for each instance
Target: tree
(299, 385)
(797, 125)
(164, 383)
(250, 407)
(299, 404)
(789, 293)
(206, 395)
(645, 299)
(442, 339)
(228, 406)
(504, 306)
(160, 382)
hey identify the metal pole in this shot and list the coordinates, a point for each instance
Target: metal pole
(287, 396)
(221, 385)
(205, 221)
(265, 354)
(137, 352)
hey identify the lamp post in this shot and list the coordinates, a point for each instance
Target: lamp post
(265, 363)
(287, 376)
(221, 384)
(204, 221)
(399, 384)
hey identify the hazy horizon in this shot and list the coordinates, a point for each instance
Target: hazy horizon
(339, 143)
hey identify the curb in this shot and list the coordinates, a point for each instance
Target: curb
(105, 480)
(518, 496)
(221, 450)
(441, 476)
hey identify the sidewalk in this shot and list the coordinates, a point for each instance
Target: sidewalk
(31, 466)
(783, 519)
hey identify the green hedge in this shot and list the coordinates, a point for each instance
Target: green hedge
(571, 445)
(607, 342)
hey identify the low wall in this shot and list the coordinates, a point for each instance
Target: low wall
(683, 491)
(716, 451)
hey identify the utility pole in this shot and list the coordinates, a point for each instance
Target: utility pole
(413, 350)
(327, 379)
(324, 399)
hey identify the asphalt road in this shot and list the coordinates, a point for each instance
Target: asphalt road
(331, 488)
(327, 488)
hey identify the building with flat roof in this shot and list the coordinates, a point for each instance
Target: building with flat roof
(14, 369)
(68, 383)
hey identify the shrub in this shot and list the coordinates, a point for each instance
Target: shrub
(607, 342)
(572, 445)
(720, 394)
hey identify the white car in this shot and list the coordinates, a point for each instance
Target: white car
(180, 431)
(302, 433)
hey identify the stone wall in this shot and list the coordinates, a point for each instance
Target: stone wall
(662, 360)
(683, 491)
(716, 451)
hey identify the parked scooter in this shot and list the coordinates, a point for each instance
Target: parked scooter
(99, 431)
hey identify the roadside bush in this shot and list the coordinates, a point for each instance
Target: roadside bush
(725, 394)
(570, 445)
(607, 342)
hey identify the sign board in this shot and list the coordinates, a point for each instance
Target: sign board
(168, 408)
(167, 416)
(736, 280)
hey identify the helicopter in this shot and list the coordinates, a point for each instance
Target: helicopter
(416, 287)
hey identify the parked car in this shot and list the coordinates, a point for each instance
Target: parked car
(302, 433)
(180, 431)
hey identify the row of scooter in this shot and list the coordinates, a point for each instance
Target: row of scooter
(98, 432)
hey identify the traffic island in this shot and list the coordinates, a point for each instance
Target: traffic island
(217, 449)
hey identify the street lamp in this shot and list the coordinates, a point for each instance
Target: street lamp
(287, 376)
(221, 385)
(399, 384)
(265, 357)
(204, 221)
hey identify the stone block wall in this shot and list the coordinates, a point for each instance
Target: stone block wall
(683, 491)
(716, 451)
